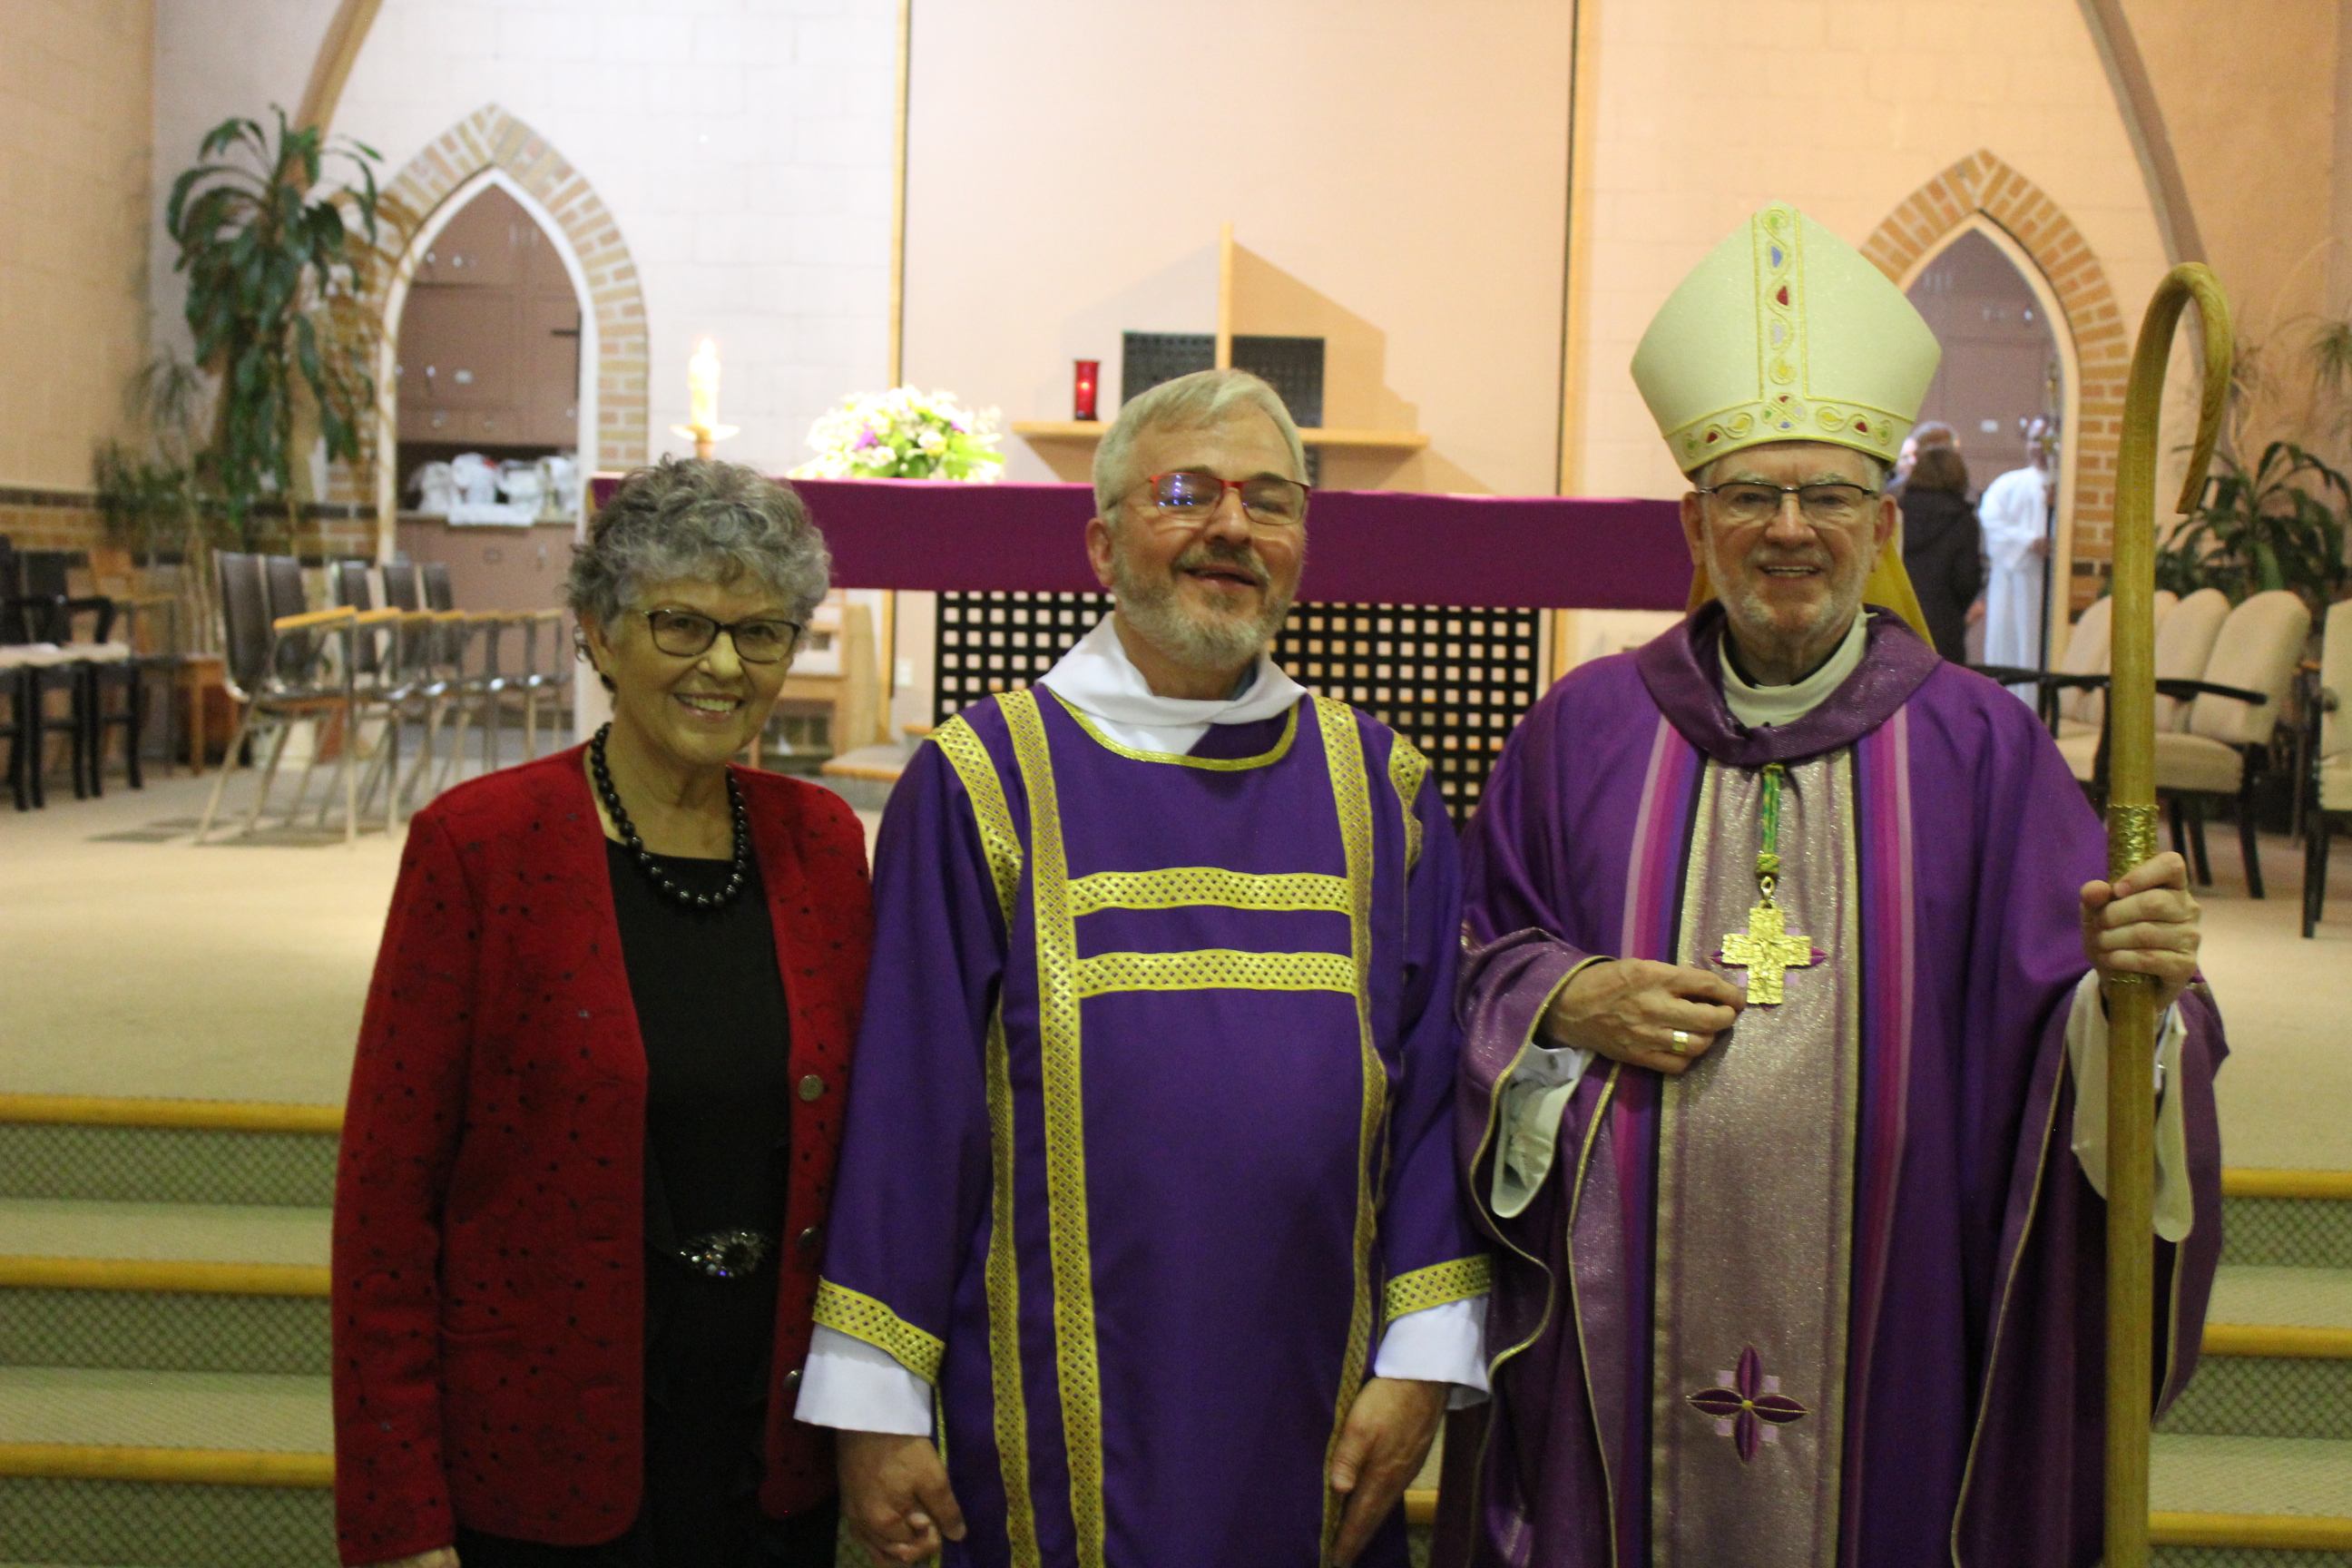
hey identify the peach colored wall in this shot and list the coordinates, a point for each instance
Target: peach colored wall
(75, 87)
(1395, 172)
(1709, 108)
(2252, 114)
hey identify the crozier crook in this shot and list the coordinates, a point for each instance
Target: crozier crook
(2131, 841)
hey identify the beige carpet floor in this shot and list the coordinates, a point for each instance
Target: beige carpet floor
(132, 961)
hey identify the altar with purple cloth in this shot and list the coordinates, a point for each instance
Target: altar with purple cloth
(1427, 611)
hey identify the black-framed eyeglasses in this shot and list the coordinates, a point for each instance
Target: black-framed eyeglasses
(1824, 506)
(682, 634)
(1266, 500)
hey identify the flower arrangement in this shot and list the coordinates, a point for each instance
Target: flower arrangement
(903, 433)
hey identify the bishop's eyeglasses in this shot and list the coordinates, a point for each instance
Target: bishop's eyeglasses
(682, 634)
(1189, 498)
(1826, 506)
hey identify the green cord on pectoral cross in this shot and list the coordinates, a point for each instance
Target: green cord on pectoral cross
(1768, 948)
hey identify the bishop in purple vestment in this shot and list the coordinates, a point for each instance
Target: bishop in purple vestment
(1147, 1248)
(1784, 946)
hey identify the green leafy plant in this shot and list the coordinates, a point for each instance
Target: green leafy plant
(281, 285)
(2277, 524)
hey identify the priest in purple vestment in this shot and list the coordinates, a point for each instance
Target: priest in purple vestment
(1783, 1067)
(1148, 1247)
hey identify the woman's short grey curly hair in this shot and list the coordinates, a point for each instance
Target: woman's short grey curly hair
(702, 520)
(1191, 402)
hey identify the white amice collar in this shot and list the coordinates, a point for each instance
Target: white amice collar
(1098, 680)
(1758, 706)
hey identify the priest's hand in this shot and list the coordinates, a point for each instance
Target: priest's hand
(1663, 1017)
(1387, 1436)
(895, 1496)
(2145, 924)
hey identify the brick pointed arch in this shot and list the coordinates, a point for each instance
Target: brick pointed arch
(490, 138)
(1982, 184)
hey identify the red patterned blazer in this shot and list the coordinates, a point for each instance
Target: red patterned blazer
(488, 1252)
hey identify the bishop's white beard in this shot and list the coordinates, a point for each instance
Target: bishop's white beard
(1206, 641)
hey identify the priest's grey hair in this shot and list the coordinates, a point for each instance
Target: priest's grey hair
(1193, 402)
(704, 520)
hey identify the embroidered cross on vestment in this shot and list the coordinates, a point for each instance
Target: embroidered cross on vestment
(1749, 1406)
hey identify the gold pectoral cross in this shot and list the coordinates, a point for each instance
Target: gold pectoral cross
(1764, 949)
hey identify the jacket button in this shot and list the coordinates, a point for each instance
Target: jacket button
(792, 1378)
(812, 1086)
(808, 1237)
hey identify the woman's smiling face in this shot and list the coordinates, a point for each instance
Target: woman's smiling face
(698, 710)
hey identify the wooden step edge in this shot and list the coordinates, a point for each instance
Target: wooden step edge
(2276, 1531)
(2254, 1183)
(195, 1467)
(141, 1274)
(861, 770)
(2275, 1340)
(215, 1115)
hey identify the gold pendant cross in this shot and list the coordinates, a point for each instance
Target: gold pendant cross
(1766, 949)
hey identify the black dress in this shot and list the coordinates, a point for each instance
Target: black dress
(710, 1007)
(1943, 554)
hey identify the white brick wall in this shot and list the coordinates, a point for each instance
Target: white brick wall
(741, 146)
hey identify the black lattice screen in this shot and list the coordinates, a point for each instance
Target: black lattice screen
(1452, 678)
(1001, 642)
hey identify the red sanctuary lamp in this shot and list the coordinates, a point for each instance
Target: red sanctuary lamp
(1083, 395)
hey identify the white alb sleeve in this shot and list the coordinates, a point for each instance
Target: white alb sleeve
(2086, 1054)
(1440, 1344)
(855, 1386)
(1534, 1096)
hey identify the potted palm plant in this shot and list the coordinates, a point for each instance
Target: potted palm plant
(283, 301)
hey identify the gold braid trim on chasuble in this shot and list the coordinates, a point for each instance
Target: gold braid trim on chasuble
(969, 758)
(1001, 845)
(1182, 887)
(1077, 1359)
(1436, 1286)
(861, 1317)
(1343, 751)
(1280, 749)
(1216, 969)
(1407, 769)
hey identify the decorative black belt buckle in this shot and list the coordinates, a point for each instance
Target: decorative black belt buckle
(727, 1254)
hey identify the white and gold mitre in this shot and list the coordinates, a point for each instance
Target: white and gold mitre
(1784, 334)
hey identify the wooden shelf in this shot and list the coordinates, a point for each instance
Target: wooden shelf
(1088, 431)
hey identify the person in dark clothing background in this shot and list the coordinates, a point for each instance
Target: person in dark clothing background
(1942, 546)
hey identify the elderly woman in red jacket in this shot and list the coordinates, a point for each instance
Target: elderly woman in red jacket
(594, 1116)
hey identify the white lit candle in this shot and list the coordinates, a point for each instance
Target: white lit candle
(702, 388)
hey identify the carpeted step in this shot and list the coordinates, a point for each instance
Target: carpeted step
(2277, 1359)
(2287, 1219)
(174, 1287)
(201, 1470)
(176, 1152)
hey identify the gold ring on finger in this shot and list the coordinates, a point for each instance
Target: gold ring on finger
(1682, 1041)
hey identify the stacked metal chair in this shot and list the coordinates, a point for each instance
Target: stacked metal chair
(282, 672)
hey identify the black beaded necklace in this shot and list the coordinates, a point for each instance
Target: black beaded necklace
(646, 862)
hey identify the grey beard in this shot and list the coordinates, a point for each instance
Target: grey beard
(1197, 641)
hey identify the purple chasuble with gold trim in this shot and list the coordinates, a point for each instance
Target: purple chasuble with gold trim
(1152, 1129)
(1835, 1295)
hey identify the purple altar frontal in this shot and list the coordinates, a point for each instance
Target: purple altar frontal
(1369, 546)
